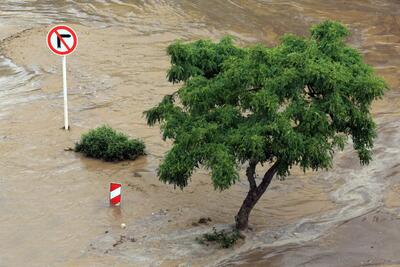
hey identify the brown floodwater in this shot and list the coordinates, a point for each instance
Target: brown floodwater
(53, 203)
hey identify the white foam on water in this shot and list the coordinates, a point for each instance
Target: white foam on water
(16, 83)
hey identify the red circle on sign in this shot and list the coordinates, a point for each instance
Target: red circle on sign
(55, 30)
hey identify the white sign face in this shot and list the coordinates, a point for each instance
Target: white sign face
(62, 40)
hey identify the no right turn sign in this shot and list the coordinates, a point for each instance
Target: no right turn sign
(62, 40)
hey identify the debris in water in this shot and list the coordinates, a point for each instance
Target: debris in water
(204, 220)
(123, 239)
(160, 212)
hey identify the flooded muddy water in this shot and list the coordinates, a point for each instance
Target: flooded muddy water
(53, 203)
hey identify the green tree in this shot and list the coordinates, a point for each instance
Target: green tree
(292, 104)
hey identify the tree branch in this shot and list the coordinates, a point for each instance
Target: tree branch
(267, 179)
(310, 91)
(174, 94)
(250, 173)
(253, 89)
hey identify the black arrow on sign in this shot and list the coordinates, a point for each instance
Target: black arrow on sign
(66, 35)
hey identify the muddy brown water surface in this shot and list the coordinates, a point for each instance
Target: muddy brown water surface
(53, 203)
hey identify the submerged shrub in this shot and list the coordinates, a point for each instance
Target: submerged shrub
(107, 144)
(225, 238)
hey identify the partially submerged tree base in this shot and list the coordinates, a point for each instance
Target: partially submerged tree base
(293, 104)
(254, 194)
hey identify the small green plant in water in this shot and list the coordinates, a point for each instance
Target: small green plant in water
(107, 144)
(225, 238)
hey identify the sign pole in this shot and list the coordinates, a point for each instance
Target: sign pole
(64, 67)
(62, 41)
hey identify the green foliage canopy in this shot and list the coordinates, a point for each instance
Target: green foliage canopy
(293, 104)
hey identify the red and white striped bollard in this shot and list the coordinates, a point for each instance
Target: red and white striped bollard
(115, 194)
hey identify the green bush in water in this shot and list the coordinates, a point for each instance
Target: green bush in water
(226, 239)
(107, 144)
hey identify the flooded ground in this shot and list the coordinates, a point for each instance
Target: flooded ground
(53, 203)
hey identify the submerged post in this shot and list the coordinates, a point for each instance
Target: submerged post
(64, 67)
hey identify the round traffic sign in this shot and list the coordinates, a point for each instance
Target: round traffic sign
(62, 40)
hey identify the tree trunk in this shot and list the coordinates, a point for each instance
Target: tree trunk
(254, 194)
